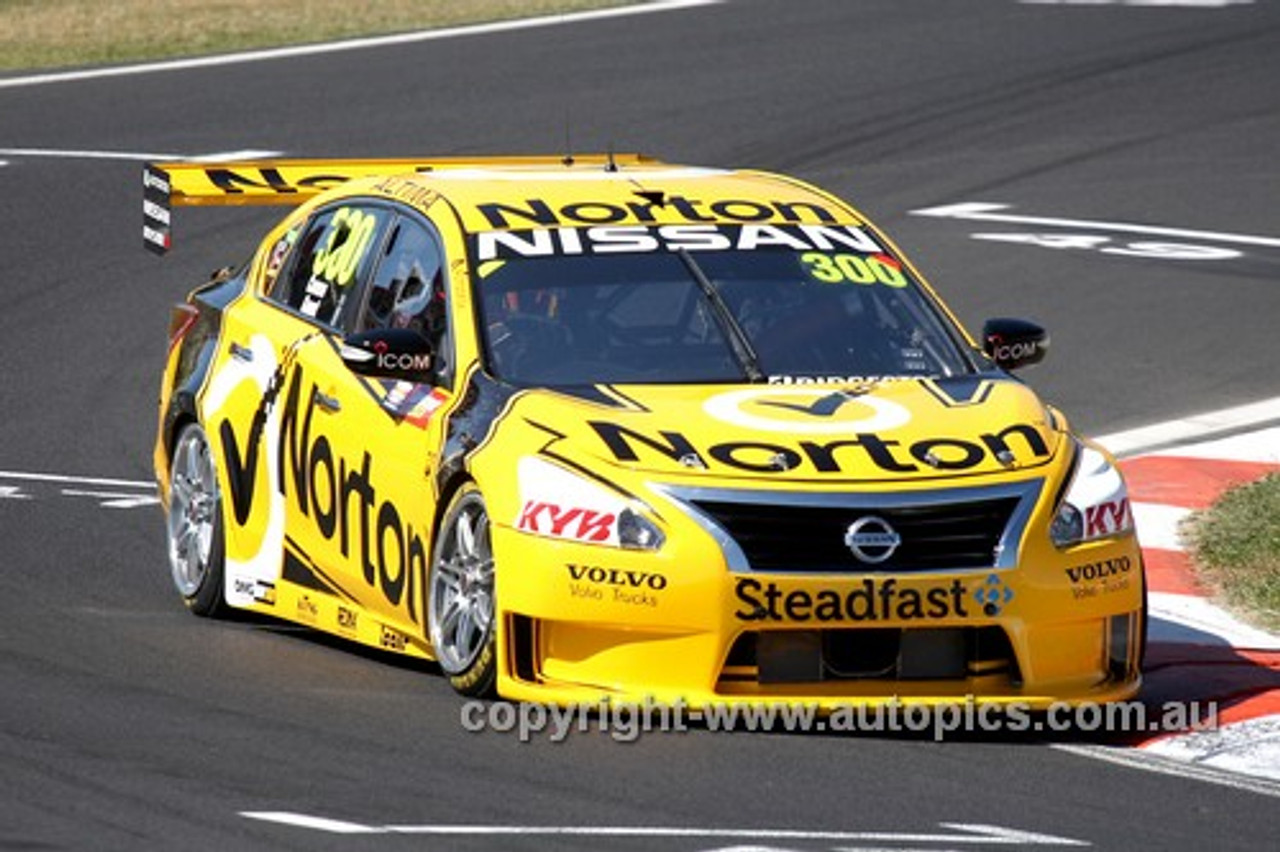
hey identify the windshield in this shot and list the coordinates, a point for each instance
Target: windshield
(779, 314)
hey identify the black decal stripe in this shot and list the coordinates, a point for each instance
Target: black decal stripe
(473, 409)
(587, 393)
(301, 570)
(241, 467)
(477, 415)
(959, 391)
(627, 402)
(587, 472)
(461, 401)
(556, 434)
(1055, 419)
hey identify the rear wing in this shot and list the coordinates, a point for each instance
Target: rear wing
(291, 182)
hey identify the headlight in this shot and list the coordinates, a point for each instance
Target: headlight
(559, 503)
(1096, 504)
(638, 532)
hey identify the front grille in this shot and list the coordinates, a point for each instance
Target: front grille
(934, 536)
(874, 654)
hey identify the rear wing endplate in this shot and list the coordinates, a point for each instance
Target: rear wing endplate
(291, 182)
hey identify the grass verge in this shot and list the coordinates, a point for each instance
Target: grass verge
(1236, 545)
(58, 33)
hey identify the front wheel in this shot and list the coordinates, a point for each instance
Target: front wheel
(461, 610)
(194, 529)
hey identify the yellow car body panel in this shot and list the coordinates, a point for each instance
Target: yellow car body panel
(332, 523)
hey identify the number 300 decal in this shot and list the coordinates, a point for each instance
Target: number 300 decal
(853, 269)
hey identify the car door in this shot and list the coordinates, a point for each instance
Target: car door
(312, 283)
(360, 448)
(246, 399)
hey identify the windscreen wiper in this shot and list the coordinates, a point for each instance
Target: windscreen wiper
(743, 351)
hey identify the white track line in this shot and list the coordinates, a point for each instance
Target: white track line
(76, 480)
(1188, 429)
(85, 155)
(351, 44)
(1260, 447)
(973, 833)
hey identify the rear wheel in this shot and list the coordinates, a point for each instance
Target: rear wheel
(195, 524)
(461, 606)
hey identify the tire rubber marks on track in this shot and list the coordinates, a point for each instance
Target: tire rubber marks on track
(956, 834)
(109, 493)
(1177, 244)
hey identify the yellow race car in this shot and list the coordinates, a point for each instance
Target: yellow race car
(605, 426)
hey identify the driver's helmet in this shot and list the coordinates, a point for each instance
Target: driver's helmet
(542, 302)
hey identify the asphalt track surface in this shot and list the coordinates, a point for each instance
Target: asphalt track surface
(127, 724)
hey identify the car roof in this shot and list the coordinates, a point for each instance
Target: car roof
(523, 196)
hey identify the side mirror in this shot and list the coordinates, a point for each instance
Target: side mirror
(1014, 343)
(389, 353)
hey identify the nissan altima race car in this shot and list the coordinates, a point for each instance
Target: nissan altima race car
(609, 427)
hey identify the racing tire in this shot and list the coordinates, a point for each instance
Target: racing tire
(194, 529)
(461, 600)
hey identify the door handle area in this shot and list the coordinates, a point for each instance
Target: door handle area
(241, 353)
(327, 402)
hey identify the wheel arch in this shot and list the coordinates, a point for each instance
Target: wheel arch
(182, 412)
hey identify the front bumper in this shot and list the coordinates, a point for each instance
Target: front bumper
(686, 624)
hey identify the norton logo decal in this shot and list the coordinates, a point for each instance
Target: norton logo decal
(600, 227)
(340, 498)
(267, 180)
(241, 466)
(884, 600)
(539, 212)
(806, 410)
(845, 455)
